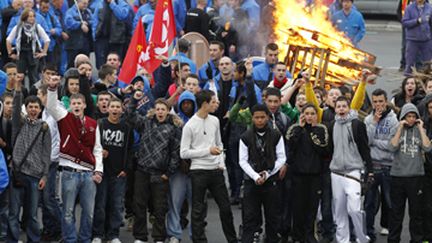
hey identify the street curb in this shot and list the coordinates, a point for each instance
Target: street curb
(392, 26)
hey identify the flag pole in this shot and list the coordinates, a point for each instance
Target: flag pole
(178, 60)
(79, 12)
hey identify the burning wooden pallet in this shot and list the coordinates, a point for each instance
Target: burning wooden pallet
(328, 60)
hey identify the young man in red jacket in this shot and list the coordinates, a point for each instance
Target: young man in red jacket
(80, 161)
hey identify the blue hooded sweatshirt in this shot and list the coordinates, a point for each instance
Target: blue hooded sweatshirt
(186, 95)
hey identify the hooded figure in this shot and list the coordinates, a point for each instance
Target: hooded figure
(407, 183)
(181, 108)
(147, 101)
(408, 159)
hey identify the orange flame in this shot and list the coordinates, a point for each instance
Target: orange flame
(302, 26)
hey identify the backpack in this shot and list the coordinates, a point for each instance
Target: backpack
(357, 126)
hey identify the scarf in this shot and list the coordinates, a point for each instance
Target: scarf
(352, 114)
(31, 31)
(262, 148)
(279, 84)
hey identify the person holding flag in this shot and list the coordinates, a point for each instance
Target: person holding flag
(143, 55)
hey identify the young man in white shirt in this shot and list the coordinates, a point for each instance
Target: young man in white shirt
(201, 143)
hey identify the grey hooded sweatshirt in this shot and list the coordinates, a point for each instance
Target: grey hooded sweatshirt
(408, 154)
(379, 135)
(346, 156)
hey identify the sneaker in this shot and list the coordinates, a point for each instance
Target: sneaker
(130, 223)
(152, 219)
(96, 240)
(384, 231)
(257, 237)
(115, 240)
(140, 241)
(173, 240)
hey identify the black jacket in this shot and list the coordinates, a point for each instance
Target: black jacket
(197, 21)
(110, 27)
(428, 127)
(307, 147)
(328, 115)
(261, 157)
(6, 135)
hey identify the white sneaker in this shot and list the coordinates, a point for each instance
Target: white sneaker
(159, 242)
(115, 240)
(140, 241)
(173, 240)
(384, 231)
(96, 240)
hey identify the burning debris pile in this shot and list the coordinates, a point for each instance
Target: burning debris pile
(308, 40)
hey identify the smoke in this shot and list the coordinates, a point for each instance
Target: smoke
(251, 33)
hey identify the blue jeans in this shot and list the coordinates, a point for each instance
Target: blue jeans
(180, 189)
(4, 211)
(28, 196)
(108, 212)
(235, 172)
(77, 184)
(382, 180)
(51, 211)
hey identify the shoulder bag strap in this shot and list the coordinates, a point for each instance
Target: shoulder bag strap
(42, 129)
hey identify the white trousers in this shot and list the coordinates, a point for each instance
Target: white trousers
(347, 201)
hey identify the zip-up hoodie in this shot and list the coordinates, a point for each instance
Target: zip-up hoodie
(408, 158)
(379, 135)
(346, 155)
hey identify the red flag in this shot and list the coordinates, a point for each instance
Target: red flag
(162, 34)
(136, 50)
